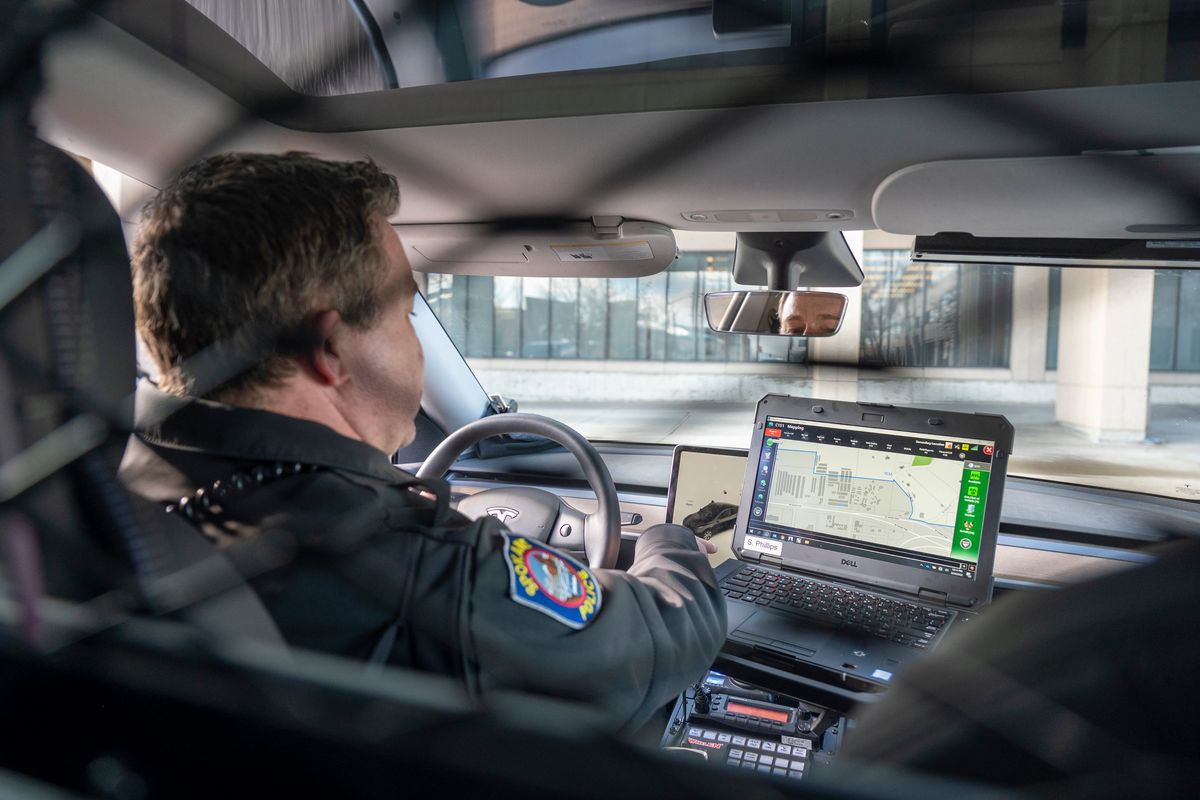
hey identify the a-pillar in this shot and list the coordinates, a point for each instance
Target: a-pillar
(834, 382)
(126, 194)
(1104, 352)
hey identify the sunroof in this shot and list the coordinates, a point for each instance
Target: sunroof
(331, 47)
(339, 47)
(316, 47)
(519, 37)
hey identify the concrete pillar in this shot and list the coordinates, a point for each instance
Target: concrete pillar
(841, 383)
(1104, 352)
(1030, 319)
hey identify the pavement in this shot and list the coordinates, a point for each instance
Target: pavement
(1167, 463)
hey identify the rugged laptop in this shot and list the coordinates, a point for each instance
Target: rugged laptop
(864, 532)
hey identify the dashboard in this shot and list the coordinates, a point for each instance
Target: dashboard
(1050, 534)
(790, 721)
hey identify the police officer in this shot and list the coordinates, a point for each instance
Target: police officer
(274, 300)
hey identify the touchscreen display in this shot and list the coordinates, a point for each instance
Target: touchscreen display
(705, 490)
(884, 494)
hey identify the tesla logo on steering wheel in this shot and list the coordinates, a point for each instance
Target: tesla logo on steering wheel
(502, 513)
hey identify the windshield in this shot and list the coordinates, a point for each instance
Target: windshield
(1098, 370)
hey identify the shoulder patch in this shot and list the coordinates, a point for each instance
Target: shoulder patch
(554, 584)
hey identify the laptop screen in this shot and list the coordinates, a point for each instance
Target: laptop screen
(888, 495)
(706, 482)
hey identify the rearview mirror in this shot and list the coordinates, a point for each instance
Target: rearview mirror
(775, 313)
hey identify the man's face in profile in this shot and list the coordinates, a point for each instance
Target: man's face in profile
(387, 362)
(810, 313)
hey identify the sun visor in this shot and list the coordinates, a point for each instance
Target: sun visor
(963, 248)
(606, 247)
(1126, 195)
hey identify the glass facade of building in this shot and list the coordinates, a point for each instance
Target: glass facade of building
(934, 315)
(1055, 302)
(1174, 335)
(656, 318)
(913, 315)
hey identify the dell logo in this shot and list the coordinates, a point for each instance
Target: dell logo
(845, 561)
(502, 513)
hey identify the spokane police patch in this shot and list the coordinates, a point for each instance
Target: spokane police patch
(554, 584)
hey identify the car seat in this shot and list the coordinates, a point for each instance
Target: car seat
(67, 366)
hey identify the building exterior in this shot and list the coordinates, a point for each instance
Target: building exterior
(1100, 345)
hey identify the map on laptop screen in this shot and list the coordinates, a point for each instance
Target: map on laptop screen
(897, 495)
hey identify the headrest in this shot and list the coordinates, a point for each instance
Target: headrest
(67, 360)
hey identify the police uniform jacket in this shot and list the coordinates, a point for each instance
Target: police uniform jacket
(353, 556)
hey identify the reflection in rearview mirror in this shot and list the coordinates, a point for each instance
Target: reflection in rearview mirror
(775, 313)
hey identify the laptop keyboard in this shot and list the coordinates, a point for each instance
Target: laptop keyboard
(837, 606)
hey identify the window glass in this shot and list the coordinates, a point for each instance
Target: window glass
(593, 318)
(622, 319)
(712, 346)
(682, 291)
(653, 318)
(1054, 299)
(323, 47)
(507, 303)
(564, 317)
(316, 47)
(934, 315)
(481, 311)
(535, 318)
(1165, 321)
(986, 350)
(1174, 336)
(983, 315)
(1187, 340)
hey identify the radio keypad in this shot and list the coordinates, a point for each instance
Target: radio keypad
(773, 758)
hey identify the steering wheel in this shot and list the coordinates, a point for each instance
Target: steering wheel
(532, 512)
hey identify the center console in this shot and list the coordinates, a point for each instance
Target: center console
(739, 725)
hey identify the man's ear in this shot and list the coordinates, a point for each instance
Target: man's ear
(325, 357)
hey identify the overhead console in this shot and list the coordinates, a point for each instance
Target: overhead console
(604, 247)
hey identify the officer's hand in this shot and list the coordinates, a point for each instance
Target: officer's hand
(706, 546)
